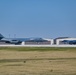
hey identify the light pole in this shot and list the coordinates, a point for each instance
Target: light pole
(14, 35)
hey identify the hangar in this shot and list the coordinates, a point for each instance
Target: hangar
(65, 40)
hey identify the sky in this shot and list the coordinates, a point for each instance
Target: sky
(38, 18)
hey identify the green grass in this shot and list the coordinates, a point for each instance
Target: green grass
(37, 48)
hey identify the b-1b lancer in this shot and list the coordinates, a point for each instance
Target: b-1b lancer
(12, 40)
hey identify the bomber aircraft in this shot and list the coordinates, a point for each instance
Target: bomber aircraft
(19, 40)
(12, 40)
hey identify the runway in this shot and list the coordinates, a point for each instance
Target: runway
(37, 45)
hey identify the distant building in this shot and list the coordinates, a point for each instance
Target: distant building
(64, 40)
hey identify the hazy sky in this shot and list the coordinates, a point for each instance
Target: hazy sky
(38, 18)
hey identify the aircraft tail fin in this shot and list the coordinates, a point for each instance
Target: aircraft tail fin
(1, 36)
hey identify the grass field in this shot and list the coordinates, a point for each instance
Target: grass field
(37, 61)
